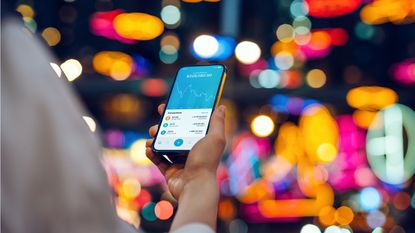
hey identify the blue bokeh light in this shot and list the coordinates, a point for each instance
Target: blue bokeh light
(370, 199)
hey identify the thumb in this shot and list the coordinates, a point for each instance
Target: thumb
(217, 125)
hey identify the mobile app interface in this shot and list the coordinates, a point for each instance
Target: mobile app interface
(189, 108)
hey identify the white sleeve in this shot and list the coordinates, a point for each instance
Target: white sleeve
(52, 179)
(193, 228)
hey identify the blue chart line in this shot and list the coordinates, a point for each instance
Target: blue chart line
(194, 93)
(191, 97)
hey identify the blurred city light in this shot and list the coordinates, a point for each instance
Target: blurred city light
(284, 60)
(262, 126)
(163, 210)
(205, 46)
(268, 78)
(404, 72)
(285, 33)
(90, 122)
(310, 228)
(154, 87)
(137, 152)
(247, 52)
(117, 65)
(383, 11)
(51, 35)
(56, 68)
(170, 15)
(385, 145)
(138, 26)
(25, 10)
(333, 8)
(316, 78)
(371, 96)
(370, 199)
(72, 69)
(170, 39)
(101, 24)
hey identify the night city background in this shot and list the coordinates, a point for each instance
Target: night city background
(320, 97)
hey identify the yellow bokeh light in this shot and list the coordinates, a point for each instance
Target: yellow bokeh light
(262, 126)
(26, 11)
(320, 40)
(137, 152)
(285, 33)
(371, 97)
(316, 78)
(344, 215)
(319, 128)
(290, 47)
(326, 152)
(326, 215)
(363, 118)
(138, 26)
(130, 188)
(51, 35)
(383, 11)
(120, 70)
(117, 65)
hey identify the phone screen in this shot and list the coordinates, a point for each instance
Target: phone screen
(188, 110)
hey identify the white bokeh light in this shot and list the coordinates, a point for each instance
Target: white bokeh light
(247, 52)
(205, 46)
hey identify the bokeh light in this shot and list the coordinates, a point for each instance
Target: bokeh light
(90, 122)
(262, 126)
(310, 228)
(163, 210)
(137, 153)
(138, 26)
(205, 46)
(316, 78)
(117, 65)
(56, 68)
(370, 199)
(170, 15)
(247, 52)
(285, 33)
(72, 69)
(51, 35)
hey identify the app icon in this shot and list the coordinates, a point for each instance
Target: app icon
(165, 125)
(178, 142)
(163, 132)
(167, 118)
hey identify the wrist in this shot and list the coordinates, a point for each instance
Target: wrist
(203, 183)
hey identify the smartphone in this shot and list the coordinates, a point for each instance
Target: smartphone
(194, 95)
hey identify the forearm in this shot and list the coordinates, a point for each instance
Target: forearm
(198, 203)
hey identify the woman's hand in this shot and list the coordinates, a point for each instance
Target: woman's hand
(194, 184)
(202, 160)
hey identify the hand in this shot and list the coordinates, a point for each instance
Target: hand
(202, 161)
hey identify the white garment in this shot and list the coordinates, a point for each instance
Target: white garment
(52, 179)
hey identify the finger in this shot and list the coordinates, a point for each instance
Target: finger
(157, 161)
(153, 130)
(217, 123)
(161, 108)
(149, 142)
